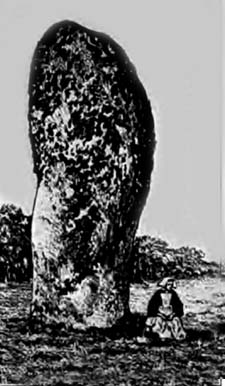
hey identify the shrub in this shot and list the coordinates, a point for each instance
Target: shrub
(153, 259)
(15, 244)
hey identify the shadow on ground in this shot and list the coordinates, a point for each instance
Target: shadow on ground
(128, 327)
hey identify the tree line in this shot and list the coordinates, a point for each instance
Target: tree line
(153, 258)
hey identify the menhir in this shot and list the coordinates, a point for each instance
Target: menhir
(92, 135)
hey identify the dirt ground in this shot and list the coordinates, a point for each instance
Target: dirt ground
(114, 357)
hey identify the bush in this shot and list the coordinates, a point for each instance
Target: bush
(15, 244)
(154, 259)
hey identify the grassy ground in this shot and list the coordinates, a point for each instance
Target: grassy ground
(114, 357)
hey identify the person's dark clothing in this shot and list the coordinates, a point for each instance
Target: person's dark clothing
(156, 301)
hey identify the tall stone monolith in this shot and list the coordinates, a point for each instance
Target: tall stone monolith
(92, 136)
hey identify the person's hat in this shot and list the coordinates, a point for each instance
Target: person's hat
(163, 283)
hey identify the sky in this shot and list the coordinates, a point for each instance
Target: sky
(176, 47)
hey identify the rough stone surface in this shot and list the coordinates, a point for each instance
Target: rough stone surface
(92, 136)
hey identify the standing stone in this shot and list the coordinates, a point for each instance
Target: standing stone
(92, 136)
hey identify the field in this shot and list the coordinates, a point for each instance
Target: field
(114, 357)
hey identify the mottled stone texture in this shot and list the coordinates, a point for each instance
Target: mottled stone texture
(92, 136)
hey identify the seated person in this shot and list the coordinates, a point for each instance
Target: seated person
(165, 310)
